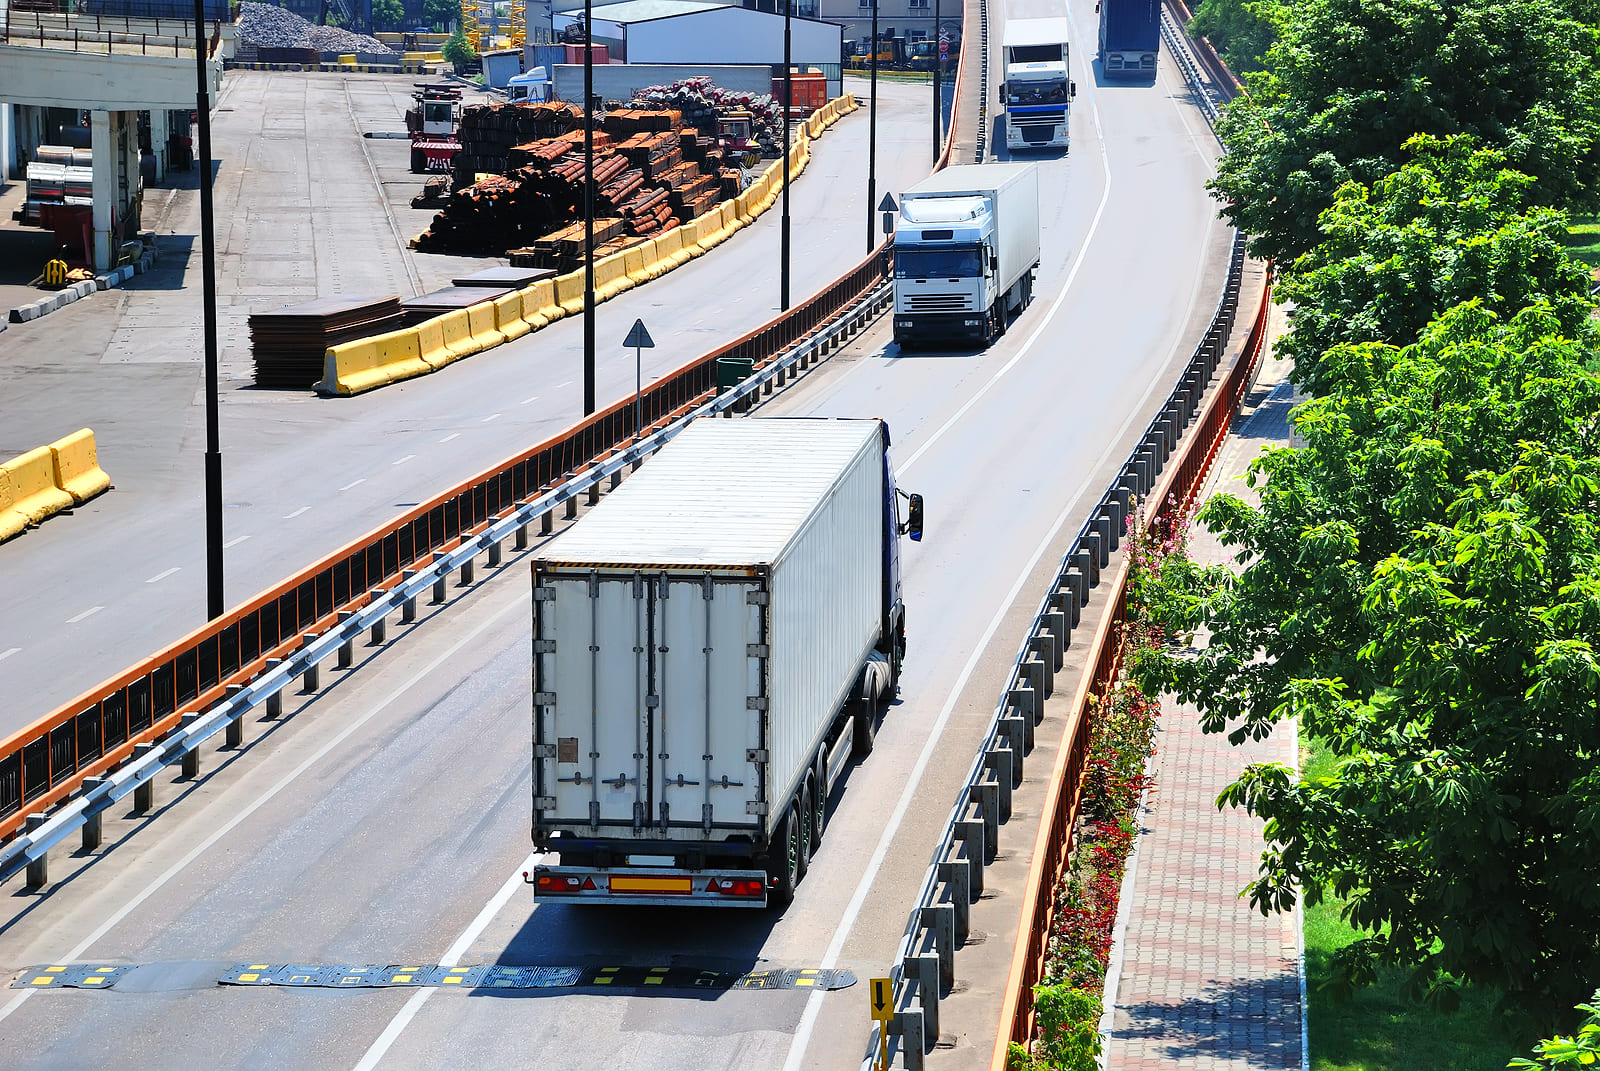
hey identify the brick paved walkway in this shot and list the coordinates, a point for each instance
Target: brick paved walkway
(1207, 982)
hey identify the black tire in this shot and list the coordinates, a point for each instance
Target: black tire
(863, 728)
(783, 865)
(808, 842)
(819, 802)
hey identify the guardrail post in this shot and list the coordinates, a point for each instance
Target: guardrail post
(1000, 761)
(547, 522)
(1086, 575)
(923, 969)
(1043, 648)
(467, 571)
(521, 542)
(439, 592)
(1027, 703)
(941, 922)
(1034, 673)
(616, 480)
(91, 819)
(1113, 514)
(311, 680)
(380, 628)
(347, 649)
(572, 507)
(971, 831)
(144, 793)
(908, 1027)
(190, 764)
(1102, 529)
(594, 492)
(953, 872)
(1097, 555)
(39, 869)
(986, 794)
(1056, 618)
(234, 734)
(494, 554)
(275, 700)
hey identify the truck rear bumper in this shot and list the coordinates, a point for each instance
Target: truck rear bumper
(657, 886)
(912, 329)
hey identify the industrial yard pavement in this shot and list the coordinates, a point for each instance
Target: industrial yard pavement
(1205, 981)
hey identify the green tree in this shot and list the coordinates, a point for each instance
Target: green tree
(458, 49)
(1453, 224)
(1241, 30)
(440, 13)
(1421, 588)
(388, 14)
(1348, 82)
(1584, 1048)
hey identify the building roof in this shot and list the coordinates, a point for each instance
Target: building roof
(645, 10)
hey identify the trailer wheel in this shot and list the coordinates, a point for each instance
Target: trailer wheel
(808, 835)
(863, 727)
(819, 801)
(784, 864)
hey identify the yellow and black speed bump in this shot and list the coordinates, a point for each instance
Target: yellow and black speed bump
(70, 976)
(505, 976)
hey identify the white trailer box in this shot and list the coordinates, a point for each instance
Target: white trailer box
(698, 631)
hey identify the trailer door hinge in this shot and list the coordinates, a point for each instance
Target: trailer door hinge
(757, 755)
(544, 751)
(756, 650)
(544, 803)
(755, 807)
(544, 594)
(755, 598)
(754, 702)
(544, 646)
(544, 699)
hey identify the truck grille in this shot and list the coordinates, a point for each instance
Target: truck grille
(938, 303)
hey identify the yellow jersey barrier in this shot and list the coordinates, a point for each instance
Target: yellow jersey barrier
(48, 479)
(353, 367)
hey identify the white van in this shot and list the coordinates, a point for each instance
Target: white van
(531, 86)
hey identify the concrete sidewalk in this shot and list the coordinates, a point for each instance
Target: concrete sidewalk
(1205, 981)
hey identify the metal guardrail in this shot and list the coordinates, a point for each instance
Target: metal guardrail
(1178, 48)
(167, 698)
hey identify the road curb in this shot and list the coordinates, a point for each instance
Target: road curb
(82, 289)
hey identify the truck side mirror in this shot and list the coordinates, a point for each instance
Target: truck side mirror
(914, 518)
(1074, 88)
(1002, 90)
(994, 262)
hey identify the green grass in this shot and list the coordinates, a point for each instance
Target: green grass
(1583, 241)
(1379, 1029)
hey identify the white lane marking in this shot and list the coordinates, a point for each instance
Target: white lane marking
(90, 612)
(234, 542)
(296, 513)
(567, 383)
(354, 483)
(847, 921)
(403, 460)
(525, 401)
(266, 797)
(491, 416)
(403, 1017)
(163, 575)
(447, 438)
(8, 652)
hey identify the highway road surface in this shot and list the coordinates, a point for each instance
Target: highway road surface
(384, 821)
(88, 594)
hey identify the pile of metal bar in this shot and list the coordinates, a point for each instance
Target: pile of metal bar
(490, 131)
(288, 344)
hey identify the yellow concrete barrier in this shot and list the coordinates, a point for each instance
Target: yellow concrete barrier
(539, 305)
(11, 522)
(508, 318)
(480, 319)
(457, 329)
(430, 345)
(33, 481)
(669, 248)
(353, 367)
(569, 292)
(635, 264)
(77, 466)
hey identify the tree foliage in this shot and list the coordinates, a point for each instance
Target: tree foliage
(1348, 82)
(1241, 30)
(388, 14)
(440, 13)
(458, 49)
(1455, 223)
(1582, 1048)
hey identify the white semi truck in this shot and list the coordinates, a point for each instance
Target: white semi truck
(1038, 89)
(966, 244)
(712, 643)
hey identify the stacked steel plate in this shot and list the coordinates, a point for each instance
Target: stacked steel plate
(289, 344)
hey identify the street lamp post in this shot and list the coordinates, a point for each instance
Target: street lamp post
(208, 247)
(938, 64)
(788, 105)
(588, 208)
(872, 132)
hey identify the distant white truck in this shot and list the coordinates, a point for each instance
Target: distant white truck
(1038, 88)
(966, 245)
(712, 643)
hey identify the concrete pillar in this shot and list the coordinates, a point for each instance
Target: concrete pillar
(102, 142)
(8, 144)
(158, 141)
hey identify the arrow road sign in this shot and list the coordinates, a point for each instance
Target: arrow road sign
(882, 990)
(638, 337)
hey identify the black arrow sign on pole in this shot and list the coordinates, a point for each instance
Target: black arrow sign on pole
(888, 208)
(640, 340)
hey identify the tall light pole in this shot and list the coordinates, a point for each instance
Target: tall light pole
(588, 208)
(872, 133)
(208, 247)
(788, 105)
(938, 101)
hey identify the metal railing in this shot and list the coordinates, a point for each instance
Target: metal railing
(44, 765)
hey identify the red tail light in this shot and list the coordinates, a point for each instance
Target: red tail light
(735, 887)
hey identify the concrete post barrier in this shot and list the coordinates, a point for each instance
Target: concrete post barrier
(923, 969)
(908, 1027)
(999, 761)
(539, 306)
(986, 794)
(457, 330)
(940, 919)
(480, 320)
(569, 292)
(953, 872)
(431, 347)
(508, 317)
